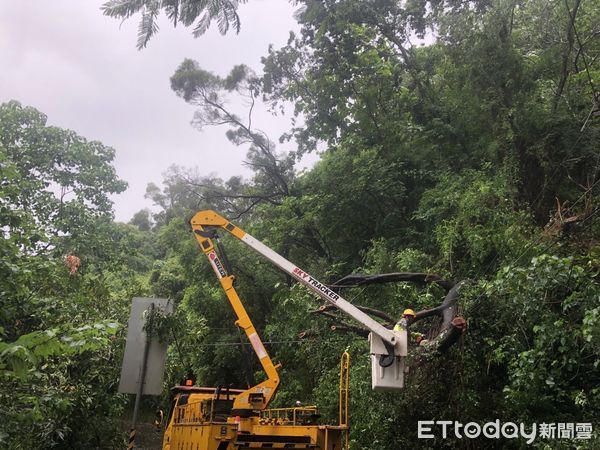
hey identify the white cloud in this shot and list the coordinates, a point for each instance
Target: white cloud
(82, 69)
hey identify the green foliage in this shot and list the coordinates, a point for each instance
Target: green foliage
(57, 185)
(59, 344)
(474, 220)
(211, 93)
(447, 157)
(142, 219)
(553, 357)
(24, 353)
(197, 13)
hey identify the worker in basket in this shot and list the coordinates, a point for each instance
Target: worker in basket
(407, 316)
(403, 324)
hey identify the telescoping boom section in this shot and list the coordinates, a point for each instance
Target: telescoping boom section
(388, 347)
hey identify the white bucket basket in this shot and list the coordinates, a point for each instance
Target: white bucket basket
(389, 378)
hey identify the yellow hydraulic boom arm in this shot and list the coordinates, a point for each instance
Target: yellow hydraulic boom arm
(388, 345)
(259, 396)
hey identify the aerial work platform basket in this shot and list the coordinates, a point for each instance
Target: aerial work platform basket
(388, 378)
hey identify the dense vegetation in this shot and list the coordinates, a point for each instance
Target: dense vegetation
(473, 154)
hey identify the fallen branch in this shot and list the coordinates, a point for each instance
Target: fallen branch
(340, 325)
(447, 309)
(372, 311)
(451, 329)
(351, 329)
(356, 280)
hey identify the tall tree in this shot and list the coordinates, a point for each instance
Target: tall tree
(64, 180)
(58, 320)
(273, 170)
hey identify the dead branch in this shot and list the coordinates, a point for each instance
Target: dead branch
(356, 280)
(564, 72)
(339, 324)
(372, 311)
(326, 314)
(447, 309)
(351, 329)
(307, 334)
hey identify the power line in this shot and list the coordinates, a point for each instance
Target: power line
(296, 341)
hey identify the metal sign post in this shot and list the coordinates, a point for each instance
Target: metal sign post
(144, 358)
(141, 382)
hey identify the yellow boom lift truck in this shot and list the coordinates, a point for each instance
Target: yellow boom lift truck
(233, 419)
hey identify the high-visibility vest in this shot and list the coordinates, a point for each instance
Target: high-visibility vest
(401, 325)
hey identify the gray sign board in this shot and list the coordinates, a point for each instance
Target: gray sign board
(134, 349)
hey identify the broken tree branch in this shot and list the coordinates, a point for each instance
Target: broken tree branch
(372, 311)
(351, 329)
(356, 280)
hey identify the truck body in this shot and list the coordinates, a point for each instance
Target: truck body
(209, 418)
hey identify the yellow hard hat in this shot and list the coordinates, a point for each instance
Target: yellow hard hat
(409, 312)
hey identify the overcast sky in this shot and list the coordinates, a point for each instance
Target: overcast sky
(83, 71)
